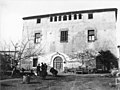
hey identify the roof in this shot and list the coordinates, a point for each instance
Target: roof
(8, 51)
(72, 12)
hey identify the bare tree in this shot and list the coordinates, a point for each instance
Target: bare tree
(15, 49)
(26, 49)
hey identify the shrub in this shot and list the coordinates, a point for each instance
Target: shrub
(107, 59)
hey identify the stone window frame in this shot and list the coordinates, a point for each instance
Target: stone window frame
(37, 39)
(91, 35)
(64, 38)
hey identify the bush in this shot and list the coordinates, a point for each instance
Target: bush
(5, 63)
(5, 66)
(107, 59)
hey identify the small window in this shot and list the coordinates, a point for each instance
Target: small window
(75, 16)
(37, 38)
(91, 35)
(64, 36)
(35, 60)
(51, 19)
(55, 18)
(38, 20)
(64, 18)
(59, 18)
(90, 16)
(70, 17)
(80, 16)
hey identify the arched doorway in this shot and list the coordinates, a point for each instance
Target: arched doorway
(58, 63)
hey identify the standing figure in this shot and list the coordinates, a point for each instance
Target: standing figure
(23, 71)
(13, 71)
(38, 70)
(44, 70)
(45, 65)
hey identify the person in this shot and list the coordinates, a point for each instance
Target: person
(45, 67)
(42, 66)
(44, 70)
(13, 71)
(38, 70)
(23, 71)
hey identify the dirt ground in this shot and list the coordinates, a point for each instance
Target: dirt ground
(62, 82)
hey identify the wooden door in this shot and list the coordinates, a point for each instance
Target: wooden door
(58, 63)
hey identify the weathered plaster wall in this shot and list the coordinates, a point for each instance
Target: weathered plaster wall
(104, 24)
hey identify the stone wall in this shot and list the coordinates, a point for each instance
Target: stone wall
(104, 24)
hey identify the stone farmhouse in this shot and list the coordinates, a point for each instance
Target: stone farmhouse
(65, 35)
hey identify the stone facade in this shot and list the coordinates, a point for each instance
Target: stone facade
(103, 23)
(96, 31)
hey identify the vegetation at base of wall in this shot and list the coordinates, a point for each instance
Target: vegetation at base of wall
(107, 59)
(103, 61)
(5, 65)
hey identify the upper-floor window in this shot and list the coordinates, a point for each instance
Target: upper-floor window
(90, 16)
(37, 38)
(51, 19)
(38, 20)
(70, 17)
(64, 36)
(59, 18)
(80, 16)
(55, 18)
(64, 18)
(75, 16)
(91, 35)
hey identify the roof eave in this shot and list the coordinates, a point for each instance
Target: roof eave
(73, 12)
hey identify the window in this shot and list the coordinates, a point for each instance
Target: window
(90, 16)
(64, 18)
(75, 16)
(55, 18)
(80, 16)
(59, 18)
(70, 17)
(64, 36)
(38, 20)
(91, 35)
(37, 37)
(51, 19)
(35, 60)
